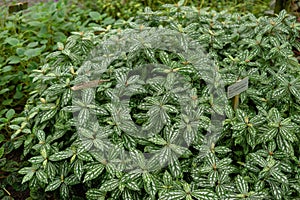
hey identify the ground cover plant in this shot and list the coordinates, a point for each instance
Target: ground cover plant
(26, 39)
(256, 156)
(125, 9)
(80, 108)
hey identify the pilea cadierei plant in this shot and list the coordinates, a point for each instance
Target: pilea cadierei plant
(145, 122)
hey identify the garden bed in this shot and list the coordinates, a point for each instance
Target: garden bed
(140, 110)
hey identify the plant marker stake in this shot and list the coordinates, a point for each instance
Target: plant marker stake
(236, 102)
(234, 91)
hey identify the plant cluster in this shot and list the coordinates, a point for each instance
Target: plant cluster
(141, 122)
(125, 9)
(26, 38)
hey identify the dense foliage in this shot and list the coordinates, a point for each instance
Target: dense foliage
(136, 109)
(126, 9)
(80, 108)
(26, 37)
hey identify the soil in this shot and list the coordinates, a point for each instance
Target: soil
(18, 195)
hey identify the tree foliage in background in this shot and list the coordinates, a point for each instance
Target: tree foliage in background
(125, 9)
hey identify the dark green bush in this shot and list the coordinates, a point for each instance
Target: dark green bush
(82, 130)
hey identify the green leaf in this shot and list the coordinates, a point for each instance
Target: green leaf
(279, 92)
(32, 44)
(40, 135)
(18, 120)
(295, 92)
(42, 176)
(267, 136)
(25, 170)
(94, 172)
(95, 194)
(84, 156)
(204, 194)
(12, 41)
(241, 185)
(296, 187)
(1, 151)
(51, 170)
(240, 115)
(280, 177)
(64, 191)
(229, 112)
(224, 163)
(61, 155)
(167, 178)
(48, 115)
(288, 134)
(71, 108)
(239, 126)
(28, 176)
(71, 180)
(157, 139)
(67, 95)
(212, 177)
(174, 166)
(95, 15)
(274, 114)
(133, 186)
(88, 95)
(14, 60)
(30, 53)
(109, 185)
(53, 185)
(164, 58)
(222, 150)
(78, 169)
(3, 91)
(2, 138)
(276, 191)
(36, 159)
(10, 113)
(83, 116)
(174, 195)
(149, 184)
(259, 160)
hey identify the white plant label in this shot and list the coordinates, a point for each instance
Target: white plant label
(237, 88)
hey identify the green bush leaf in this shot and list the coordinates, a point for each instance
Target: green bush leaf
(12, 41)
(9, 114)
(204, 194)
(94, 172)
(32, 52)
(95, 15)
(42, 176)
(95, 194)
(28, 176)
(109, 185)
(1, 151)
(61, 155)
(53, 185)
